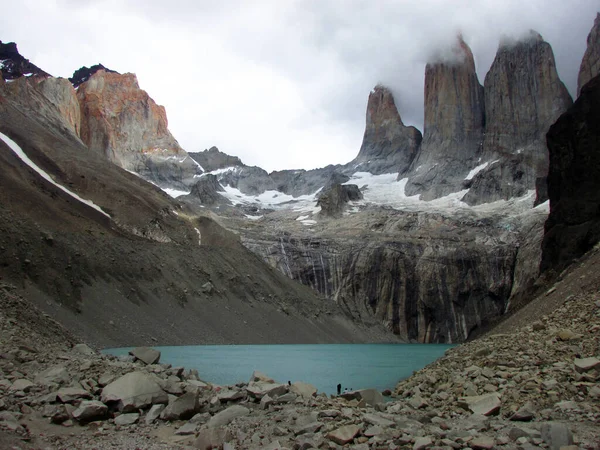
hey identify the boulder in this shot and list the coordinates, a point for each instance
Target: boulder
(586, 364)
(227, 415)
(90, 410)
(258, 389)
(133, 391)
(230, 395)
(53, 375)
(344, 435)
(210, 438)
(556, 435)
(259, 376)
(183, 408)
(21, 384)
(70, 394)
(154, 413)
(186, 429)
(83, 349)
(127, 419)
(371, 397)
(486, 405)
(303, 389)
(147, 355)
(482, 443)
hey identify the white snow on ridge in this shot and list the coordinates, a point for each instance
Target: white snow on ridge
(268, 199)
(174, 192)
(21, 154)
(479, 168)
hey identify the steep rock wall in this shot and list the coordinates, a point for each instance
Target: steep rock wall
(590, 64)
(426, 277)
(388, 145)
(121, 122)
(454, 121)
(523, 97)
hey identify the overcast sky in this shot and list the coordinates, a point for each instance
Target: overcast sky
(282, 84)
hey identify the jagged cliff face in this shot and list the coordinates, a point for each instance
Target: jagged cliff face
(523, 97)
(573, 226)
(590, 64)
(121, 122)
(388, 145)
(454, 121)
(13, 65)
(411, 271)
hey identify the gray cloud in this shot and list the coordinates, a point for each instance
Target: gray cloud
(283, 84)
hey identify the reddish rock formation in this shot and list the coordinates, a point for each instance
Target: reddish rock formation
(454, 120)
(590, 64)
(388, 145)
(523, 97)
(122, 122)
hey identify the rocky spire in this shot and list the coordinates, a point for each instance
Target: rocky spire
(388, 145)
(454, 120)
(523, 97)
(590, 64)
(122, 122)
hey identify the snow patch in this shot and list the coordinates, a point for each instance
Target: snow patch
(248, 216)
(21, 154)
(199, 236)
(174, 192)
(479, 168)
(309, 222)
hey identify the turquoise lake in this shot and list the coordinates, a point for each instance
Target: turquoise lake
(354, 366)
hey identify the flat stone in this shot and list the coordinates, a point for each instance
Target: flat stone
(258, 389)
(90, 410)
(187, 429)
(305, 390)
(229, 395)
(524, 414)
(83, 349)
(183, 408)
(53, 375)
(21, 384)
(422, 443)
(567, 335)
(71, 394)
(259, 376)
(147, 355)
(154, 413)
(311, 427)
(482, 443)
(133, 391)
(586, 364)
(344, 435)
(227, 415)
(127, 419)
(329, 413)
(375, 430)
(486, 405)
(375, 419)
(556, 435)
(212, 438)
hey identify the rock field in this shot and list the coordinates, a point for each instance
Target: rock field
(534, 386)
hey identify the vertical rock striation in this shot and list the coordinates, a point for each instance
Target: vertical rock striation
(573, 226)
(122, 122)
(590, 64)
(454, 121)
(523, 97)
(388, 145)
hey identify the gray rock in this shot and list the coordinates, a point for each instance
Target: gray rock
(154, 413)
(127, 419)
(70, 394)
(21, 384)
(524, 414)
(482, 443)
(376, 419)
(53, 375)
(422, 443)
(83, 349)
(133, 391)
(257, 389)
(486, 405)
(230, 395)
(344, 435)
(210, 438)
(303, 389)
(183, 408)
(227, 415)
(556, 435)
(147, 355)
(186, 429)
(586, 364)
(90, 410)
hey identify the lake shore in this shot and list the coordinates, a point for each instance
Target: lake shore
(535, 385)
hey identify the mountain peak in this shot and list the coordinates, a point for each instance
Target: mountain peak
(13, 65)
(84, 73)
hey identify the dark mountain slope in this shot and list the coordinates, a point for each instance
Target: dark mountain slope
(141, 275)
